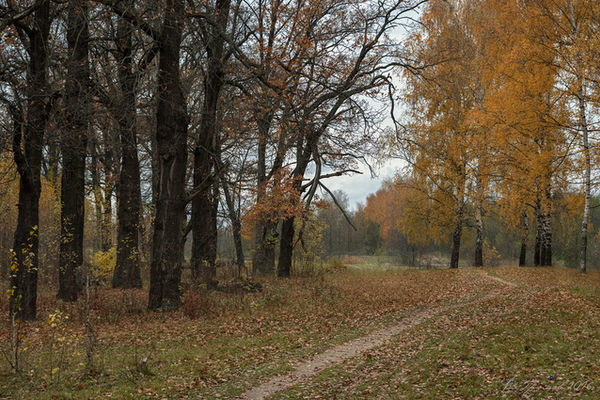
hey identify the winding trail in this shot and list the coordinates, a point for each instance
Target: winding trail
(338, 354)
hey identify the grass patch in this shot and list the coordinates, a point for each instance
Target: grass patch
(586, 292)
(539, 343)
(236, 341)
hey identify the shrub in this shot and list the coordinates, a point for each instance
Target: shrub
(103, 265)
(193, 304)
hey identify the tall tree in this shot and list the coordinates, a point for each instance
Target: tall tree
(127, 269)
(441, 142)
(527, 113)
(204, 207)
(325, 109)
(570, 26)
(263, 258)
(28, 139)
(74, 149)
(171, 145)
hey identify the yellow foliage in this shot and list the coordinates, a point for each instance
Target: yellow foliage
(103, 264)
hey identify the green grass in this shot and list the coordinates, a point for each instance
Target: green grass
(222, 366)
(586, 292)
(525, 334)
(241, 341)
(518, 346)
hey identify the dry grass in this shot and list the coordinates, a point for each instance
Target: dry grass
(235, 341)
(534, 341)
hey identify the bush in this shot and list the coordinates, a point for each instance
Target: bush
(192, 304)
(103, 265)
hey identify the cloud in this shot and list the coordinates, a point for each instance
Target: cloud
(359, 187)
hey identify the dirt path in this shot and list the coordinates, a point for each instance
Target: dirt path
(309, 368)
(498, 279)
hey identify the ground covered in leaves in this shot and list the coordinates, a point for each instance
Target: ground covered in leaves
(538, 339)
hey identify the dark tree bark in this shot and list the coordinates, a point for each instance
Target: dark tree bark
(286, 242)
(479, 224)
(543, 236)
(546, 258)
(479, 234)
(171, 143)
(263, 260)
(27, 150)
(537, 250)
(236, 225)
(286, 248)
(265, 241)
(73, 148)
(204, 226)
(127, 270)
(524, 234)
(456, 237)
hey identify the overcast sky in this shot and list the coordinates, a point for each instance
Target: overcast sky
(358, 187)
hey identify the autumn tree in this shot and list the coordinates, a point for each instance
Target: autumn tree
(204, 206)
(402, 227)
(528, 118)
(119, 78)
(439, 142)
(171, 141)
(74, 149)
(327, 102)
(32, 26)
(569, 25)
(127, 268)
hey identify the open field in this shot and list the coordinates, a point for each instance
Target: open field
(466, 335)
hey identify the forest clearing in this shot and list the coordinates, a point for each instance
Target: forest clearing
(530, 333)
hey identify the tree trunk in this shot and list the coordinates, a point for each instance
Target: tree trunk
(286, 248)
(171, 142)
(479, 236)
(265, 231)
(537, 251)
(456, 236)
(524, 234)
(587, 191)
(73, 148)
(480, 232)
(28, 158)
(265, 240)
(97, 192)
(286, 242)
(127, 270)
(546, 258)
(204, 227)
